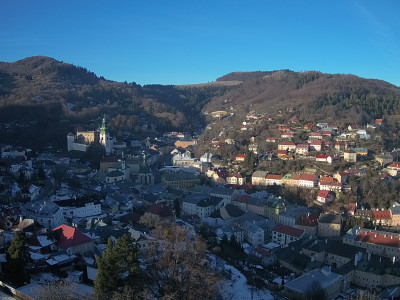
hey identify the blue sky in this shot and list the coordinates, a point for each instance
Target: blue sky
(178, 42)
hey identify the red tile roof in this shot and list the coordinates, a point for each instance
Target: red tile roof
(289, 230)
(308, 177)
(274, 177)
(352, 206)
(311, 220)
(241, 156)
(69, 237)
(316, 142)
(321, 156)
(381, 214)
(287, 144)
(323, 193)
(395, 165)
(380, 238)
(324, 179)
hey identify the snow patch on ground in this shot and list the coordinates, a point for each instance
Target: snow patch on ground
(237, 288)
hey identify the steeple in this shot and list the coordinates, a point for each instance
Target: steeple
(103, 128)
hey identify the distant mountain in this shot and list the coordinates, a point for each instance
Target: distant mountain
(312, 95)
(48, 98)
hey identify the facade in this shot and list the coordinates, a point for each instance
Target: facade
(253, 234)
(329, 281)
(180, 179)
(273, 179)
(308, 180)
(287, 146)
(72, 240)
(46, 213)
(283, 234)
(302, 149)
(329, 225)
(350, 156)
(258, 178)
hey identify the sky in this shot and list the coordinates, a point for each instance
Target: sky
(186, 42)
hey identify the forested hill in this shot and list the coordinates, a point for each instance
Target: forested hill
(41, 92)
(44, 92)
(312, 95)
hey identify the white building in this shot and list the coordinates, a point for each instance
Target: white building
(253, 234)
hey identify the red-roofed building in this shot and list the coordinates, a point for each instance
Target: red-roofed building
(351, 208)
(240, 157)
(330, 186)
(273, 179)
(315, 136)
(308, 180)
(241, 202)
(302, 149)
(316, 145)
(283, 128)
(283, 234)
(287, 146)
(382, 243)
(287, 135)
(308, 223)
(271, 140)
(325, 196)
(326, 133)
(394, 169)
(341, 177)
(280, 152)
(382, 217)
(294, 180)
(72, 240)
(322, 158)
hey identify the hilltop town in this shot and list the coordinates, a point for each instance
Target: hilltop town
(285, 210)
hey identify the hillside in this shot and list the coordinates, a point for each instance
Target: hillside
(41, 92)
(312, 95)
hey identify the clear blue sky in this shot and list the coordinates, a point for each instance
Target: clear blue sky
(177, 42)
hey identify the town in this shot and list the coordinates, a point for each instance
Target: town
(288, 204)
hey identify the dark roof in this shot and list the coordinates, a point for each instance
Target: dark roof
(160, 209)
(330, 219)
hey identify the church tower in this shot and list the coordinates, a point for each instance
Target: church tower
(105, 137)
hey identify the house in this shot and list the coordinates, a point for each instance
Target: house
(292, 215)
(361, 151)
(189, 203)
(315, 136)
(107, 162)
(271, 140)
(329, 281)
(253, 234)
(228, 195)
(46, 213)
(287, 135)
(382, 217)
(384, 159)
(329, 225)
(308, 180)
(258, 178)
(236, 179)
(395, 212)
(309, 223)
(394, 169)
(286, 179)
(72, 240)
(340, 146)
(351, 208)
(325, 196)
(179, 179)
(383, 243)
(363, 134)
(288, 146)
(284, 234)
(341, 177)
(322, 158)
(316, 145)
(273, 179)
(280, 152)
(160, 211)
(350, 155)
(294, 180)
(302, 149)
(206, 206)
(333, 186)
(253, 148)
(240, 157)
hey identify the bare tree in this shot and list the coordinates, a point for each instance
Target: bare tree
(59, 290)
(178, 267)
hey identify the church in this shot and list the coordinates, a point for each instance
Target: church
(82, 140)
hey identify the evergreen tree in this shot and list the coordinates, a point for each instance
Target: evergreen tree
(117, 268)
(16, 258)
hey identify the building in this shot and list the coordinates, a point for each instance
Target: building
(350, 155)
(308, 180)
(253, 234)
(283, 234)
(258, 178)
(325, 196)
(302, 149)
(46, 213)
(273, 179)
(329, 281)
(329, 225)
(180, 179)
(72, 240)
(288, 146)
(377, 242)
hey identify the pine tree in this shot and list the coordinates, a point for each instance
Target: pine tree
(117, 268)
(16, 258)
